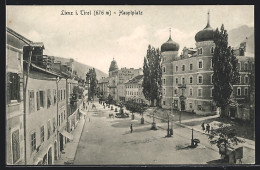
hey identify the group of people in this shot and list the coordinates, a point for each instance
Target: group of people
(207, 129)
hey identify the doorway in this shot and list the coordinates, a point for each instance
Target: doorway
(182, 105)
(50, 156)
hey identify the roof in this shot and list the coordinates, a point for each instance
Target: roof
(136, 79)
(113, 66)
(104, 80)
(37, 44)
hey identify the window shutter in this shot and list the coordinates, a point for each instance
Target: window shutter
(8, 88)
(18, 88)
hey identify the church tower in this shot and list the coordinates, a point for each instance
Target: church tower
(169, 52)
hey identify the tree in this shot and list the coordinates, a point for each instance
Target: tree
(91, 78)
(152, 75)
(224, 137)
(225, 72)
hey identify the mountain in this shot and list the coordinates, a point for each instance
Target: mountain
(82, 69)
(237, 35)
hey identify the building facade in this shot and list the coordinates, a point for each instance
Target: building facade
(134, 90)
(14, 98)
(187, 78)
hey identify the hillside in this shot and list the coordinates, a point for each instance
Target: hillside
(82, 69)
(237, 35)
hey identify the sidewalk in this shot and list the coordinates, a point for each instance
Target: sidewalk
(70, 148)
(248, 143)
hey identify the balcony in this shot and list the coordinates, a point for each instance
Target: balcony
(181, 85)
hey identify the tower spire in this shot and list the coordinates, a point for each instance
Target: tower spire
(170, 33)
(208, 24)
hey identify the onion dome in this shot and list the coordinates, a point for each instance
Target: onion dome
(170, 45)
(206, 34)
(113, 66)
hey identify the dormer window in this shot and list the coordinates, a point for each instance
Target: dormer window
(212, 50)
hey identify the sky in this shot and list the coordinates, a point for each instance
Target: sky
(96, 39)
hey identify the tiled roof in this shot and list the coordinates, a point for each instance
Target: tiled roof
(135, 79)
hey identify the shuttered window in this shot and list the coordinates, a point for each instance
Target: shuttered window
(38, 100)
(42, 96)
(13, 87)
(48, 98)
(49, 129)
(15, 146)
(31, 102)
(33, 141)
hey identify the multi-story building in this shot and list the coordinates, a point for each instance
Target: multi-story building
(14, 97)
(103, 87)
(187, 78)
(117, 78)
(41, 145)
(134, 90)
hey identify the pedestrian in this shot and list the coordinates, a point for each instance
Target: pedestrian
(203, 127)
(207, 128)
(131, 128)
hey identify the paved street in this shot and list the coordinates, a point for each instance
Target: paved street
(109, 141)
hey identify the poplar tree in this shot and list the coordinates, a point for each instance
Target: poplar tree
(91, 78)
(225, 73)
(152, 75)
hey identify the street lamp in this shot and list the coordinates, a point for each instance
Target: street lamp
(154, 124)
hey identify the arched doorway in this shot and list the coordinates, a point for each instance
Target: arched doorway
(182, 105)
(50, 156)
(55, 151)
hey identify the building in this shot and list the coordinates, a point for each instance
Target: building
(14, 98)
(103, 87)
(134, 90)
(187, 78)
(117, 78)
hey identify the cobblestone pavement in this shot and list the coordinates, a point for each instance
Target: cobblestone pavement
(108, 141)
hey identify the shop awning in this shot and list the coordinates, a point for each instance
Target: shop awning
(67, 134)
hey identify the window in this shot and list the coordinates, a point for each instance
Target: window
(211, 64)
(212, 50)
(64, 94)
(15, 146)
(239, 78)
(176, 80)
(54, 96)
(42, 99)
(13, 87)
(191, 80)
(48, 98)
(64, 115)
(200, 64)
(31, 102)
(42, 134)
(175, 91)
(176, 68)
(239, 91)
(163, 102)
(246, 91)
(191, 91)
(33, 141)
(211, 79)
(211, 92)
(164, 91)
(200, 51)
(164, 69)
(190, 66)
(49, 129)
(183, 67)
(164, 81)
(183, 80)
(239, 66)
(38, 100)
(54, 124)
(199, 92)
(190, 105)
(61, 117)
(199, 107)
(59, 121)
(60, 95)
(246, 79)
(200, 79)
(246, 67)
